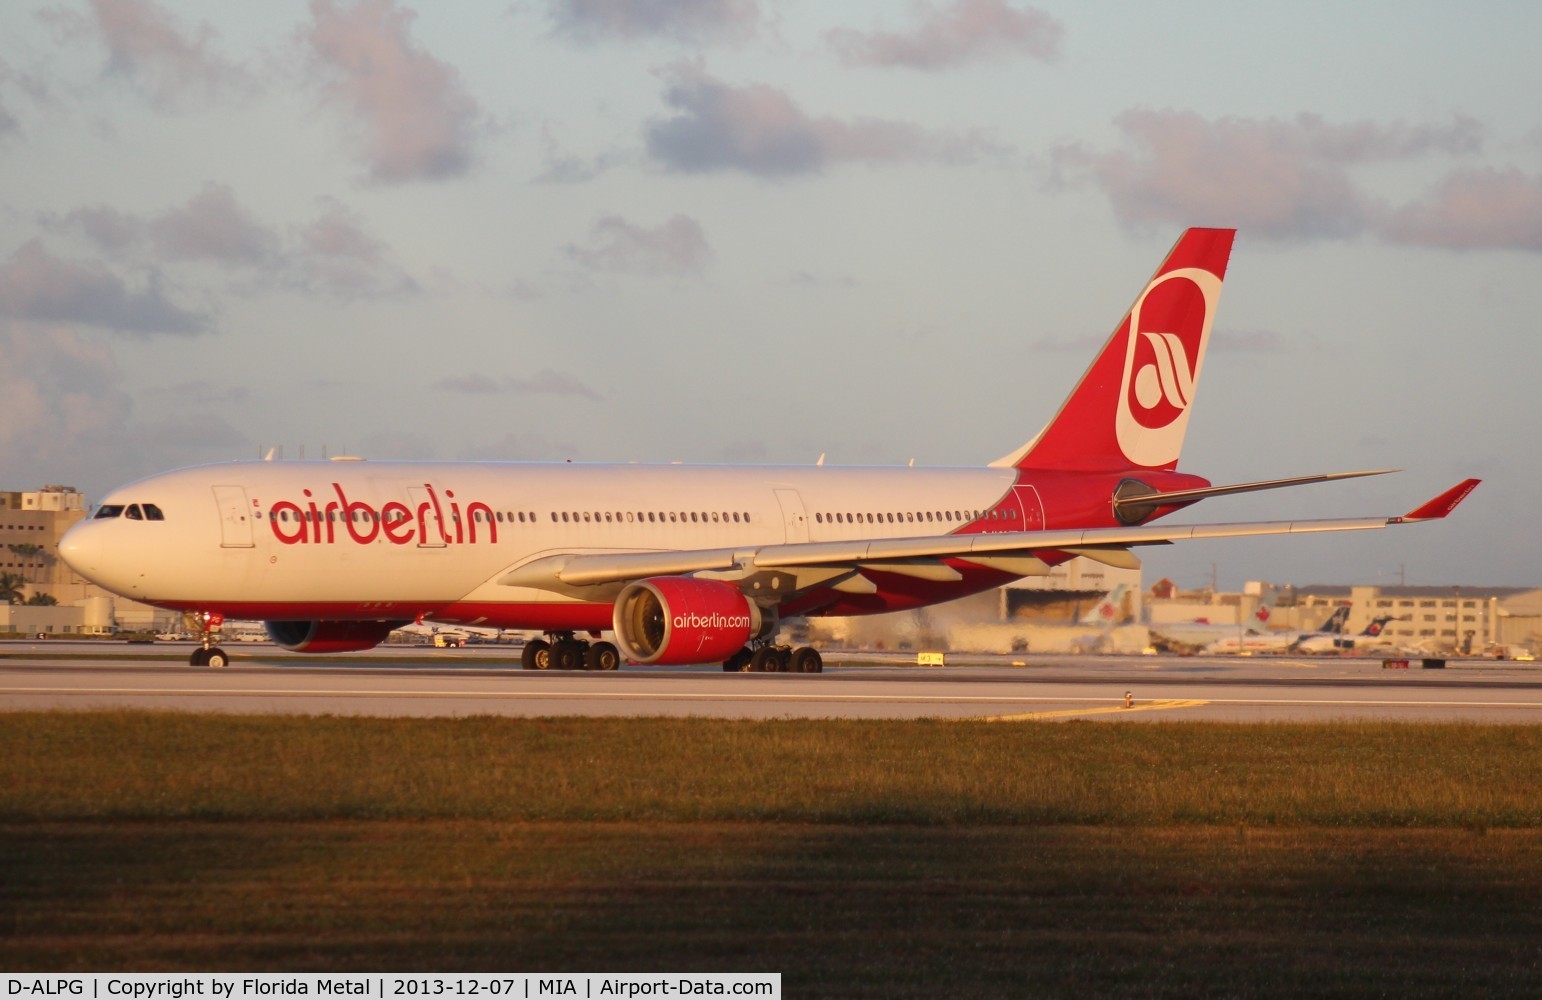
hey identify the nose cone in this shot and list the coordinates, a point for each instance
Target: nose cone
(80, 549)
(93, 549)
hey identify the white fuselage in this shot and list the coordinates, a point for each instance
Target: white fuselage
(297, 540)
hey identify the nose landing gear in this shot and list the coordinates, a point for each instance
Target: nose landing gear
(208, 654)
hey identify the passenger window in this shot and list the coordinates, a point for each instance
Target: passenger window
(107, 510)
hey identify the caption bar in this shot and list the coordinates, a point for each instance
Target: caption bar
(225, 986)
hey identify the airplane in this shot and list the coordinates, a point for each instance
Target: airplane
(1276, 640)
(1196, 636)
(689, 564)
(458, 635)
(1325, 642)
(1101, 620)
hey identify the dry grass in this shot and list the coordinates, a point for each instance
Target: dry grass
(859, 859)
(164, 765)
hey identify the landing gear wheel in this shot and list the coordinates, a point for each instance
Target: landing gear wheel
(806, 660)
(763, 660)
(738, 663)
(537, 655)
(217, 658)
(783, 659)
(602, 656)
(200, 657)
(567, 654)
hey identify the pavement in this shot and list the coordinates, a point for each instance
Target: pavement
(487, 680)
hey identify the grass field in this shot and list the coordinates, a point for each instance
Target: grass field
(894, 859)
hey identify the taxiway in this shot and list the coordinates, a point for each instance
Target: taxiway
(416, 681)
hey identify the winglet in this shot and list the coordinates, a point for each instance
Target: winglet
(1443, 504)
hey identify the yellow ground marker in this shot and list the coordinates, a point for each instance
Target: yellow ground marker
(1150, 706)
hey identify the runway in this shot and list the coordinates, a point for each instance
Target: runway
(416, 681)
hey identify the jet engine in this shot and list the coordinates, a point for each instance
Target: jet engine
(676, 619)
(329, 637)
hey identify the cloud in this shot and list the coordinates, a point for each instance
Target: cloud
(64, 406)
(1472, 210)
(968, 31)
(31, 87)
(39, 287)
(677, 246)
(212, 226)
(337, 255)
(760, 130)
(418, 122)
(146, 45)
(566, 168)
(1283, 179)
(195, 430)
(544, 382)
(684, 20)
(69, 416)
(333, 253)
(111, 230)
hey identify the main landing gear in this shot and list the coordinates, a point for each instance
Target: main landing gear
(769, 659)
(564, 652)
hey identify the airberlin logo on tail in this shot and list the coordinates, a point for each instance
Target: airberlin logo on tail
(434, 520)
(1165, 349)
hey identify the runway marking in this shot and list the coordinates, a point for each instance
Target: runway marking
(591, 695)
(771, 696)
(1153, 706)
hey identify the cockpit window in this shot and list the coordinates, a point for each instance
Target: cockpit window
(153, 513)
(134, 513)
(109, 510)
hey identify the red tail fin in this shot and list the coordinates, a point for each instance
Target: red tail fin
(1131, 408)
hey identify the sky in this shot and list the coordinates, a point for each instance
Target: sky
(758, 231)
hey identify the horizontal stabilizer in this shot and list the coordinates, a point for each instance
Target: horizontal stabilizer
(1139, 501)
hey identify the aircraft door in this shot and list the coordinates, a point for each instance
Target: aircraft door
(1032, 507)
(793, 515)
(235, 517)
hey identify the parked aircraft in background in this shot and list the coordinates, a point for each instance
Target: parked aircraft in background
(1340, 643)
(454, 636)
(689, 564)
(1198, 635)
(1101, 620)
(1278, 640)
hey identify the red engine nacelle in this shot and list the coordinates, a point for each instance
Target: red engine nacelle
(675, 619)
(329, 637)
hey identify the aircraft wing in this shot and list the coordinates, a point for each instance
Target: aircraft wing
(1015, 552)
